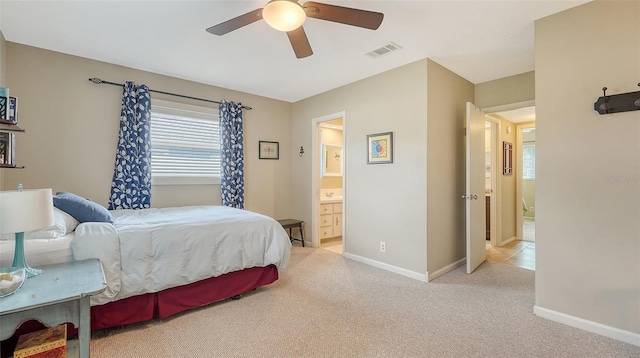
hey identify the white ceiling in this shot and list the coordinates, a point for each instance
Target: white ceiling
(479, 40)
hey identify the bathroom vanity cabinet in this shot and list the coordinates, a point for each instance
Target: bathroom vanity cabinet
(330, 219)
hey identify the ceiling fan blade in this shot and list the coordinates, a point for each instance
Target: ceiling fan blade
(344, 15)
(300, 43)
(236, 23)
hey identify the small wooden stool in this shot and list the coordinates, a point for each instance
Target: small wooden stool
(291, 223)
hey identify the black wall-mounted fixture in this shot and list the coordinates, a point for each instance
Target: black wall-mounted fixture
(623, 102)
(301, 151)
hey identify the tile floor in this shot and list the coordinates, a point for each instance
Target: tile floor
(521, 253)
(517, 253)
(333, 245)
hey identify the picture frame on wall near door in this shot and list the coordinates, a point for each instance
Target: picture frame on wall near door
(380, 148)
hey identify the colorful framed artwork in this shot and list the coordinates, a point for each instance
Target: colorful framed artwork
(269, 150)
(380, 148)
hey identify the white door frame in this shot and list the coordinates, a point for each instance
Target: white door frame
(315, 175)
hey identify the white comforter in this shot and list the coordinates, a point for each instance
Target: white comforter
(153, 249)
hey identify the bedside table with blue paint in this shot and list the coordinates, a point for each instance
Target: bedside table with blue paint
(59, 294)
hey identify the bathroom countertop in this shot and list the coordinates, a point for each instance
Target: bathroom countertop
(330, 200)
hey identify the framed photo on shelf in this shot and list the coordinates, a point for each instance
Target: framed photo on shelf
(380, 148)
(13, 110)
(269, 150)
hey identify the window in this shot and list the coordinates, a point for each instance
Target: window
(529, 160)
(185, 144)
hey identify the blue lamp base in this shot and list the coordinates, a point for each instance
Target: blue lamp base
(18, 257)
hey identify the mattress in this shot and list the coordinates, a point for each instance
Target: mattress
(39, 252)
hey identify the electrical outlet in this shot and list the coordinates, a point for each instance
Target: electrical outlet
(383, 246)
(532, 208)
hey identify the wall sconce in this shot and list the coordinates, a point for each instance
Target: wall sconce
(301, 151)
(508, 129)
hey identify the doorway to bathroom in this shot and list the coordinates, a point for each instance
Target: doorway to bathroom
(329, 183)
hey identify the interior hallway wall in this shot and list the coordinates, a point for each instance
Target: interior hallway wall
(507, 90)
(383, 202)
(446, 171)
(588, 172)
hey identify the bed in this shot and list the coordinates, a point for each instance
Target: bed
(158, 262)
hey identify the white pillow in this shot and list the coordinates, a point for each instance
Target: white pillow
(63, 224)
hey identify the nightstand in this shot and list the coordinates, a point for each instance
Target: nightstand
(59, 294)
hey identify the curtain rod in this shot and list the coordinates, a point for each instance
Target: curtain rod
(99, 81)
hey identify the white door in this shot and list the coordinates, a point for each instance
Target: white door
(474, 195)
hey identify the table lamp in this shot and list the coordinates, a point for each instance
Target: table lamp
(25, 210)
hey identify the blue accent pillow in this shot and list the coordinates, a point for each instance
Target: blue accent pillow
(82, 209)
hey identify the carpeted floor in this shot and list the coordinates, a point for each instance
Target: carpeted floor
(327, 306)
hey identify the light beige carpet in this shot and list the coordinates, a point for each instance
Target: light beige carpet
(327, 306)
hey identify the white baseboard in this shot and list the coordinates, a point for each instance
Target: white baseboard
(442, 271)
(381, 265)
(598, 328)
(512, 238)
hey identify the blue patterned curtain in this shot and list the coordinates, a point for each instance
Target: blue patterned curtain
(131, 186)
(232, 156)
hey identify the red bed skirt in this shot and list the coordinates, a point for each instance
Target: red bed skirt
(177, 299)
(164, 303)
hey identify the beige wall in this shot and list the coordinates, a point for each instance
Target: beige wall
(446, 118)
(3, 60)
(418, 216)
(331, 182)
(512, 89)
(528, 193)
(509, 202)
(72, 127)
(383, 202)
(588, 173)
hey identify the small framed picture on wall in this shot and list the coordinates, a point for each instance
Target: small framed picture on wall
(380, 148)
(269, 150)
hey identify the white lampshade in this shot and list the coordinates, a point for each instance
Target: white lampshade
(25, 210)
(284, 15)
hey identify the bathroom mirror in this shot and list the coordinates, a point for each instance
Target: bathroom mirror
(331, 163)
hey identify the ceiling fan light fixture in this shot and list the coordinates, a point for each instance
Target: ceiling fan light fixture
(284, 15)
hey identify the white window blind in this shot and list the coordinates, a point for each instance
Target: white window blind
(529, 160)
(185, 146)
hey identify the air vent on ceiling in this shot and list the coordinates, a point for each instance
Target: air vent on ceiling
(384, 50)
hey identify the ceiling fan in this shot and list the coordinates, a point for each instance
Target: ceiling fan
(288, 16)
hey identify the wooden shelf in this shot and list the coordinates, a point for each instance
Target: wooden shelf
(10, 166)
(8, 127)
